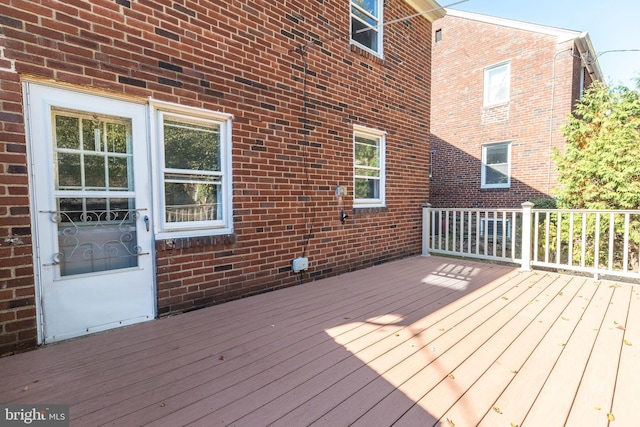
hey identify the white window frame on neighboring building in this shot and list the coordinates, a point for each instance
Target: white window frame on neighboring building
(374, 173)
(223, 221)
(367, 23)
(502, 167)
(496, 90)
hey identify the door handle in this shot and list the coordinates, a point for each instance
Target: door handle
(146, 222)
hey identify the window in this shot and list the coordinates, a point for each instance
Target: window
(496, 165)
(496, 84)
(368, 159)
(438, 35)
(366, 21)
(194, 171)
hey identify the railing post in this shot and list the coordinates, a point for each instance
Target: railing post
(426, 228)
(527, 208)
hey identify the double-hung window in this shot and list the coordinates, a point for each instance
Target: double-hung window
(194, 171)
(496, 165)
(369, 167)
(366, 24)
(497, 84)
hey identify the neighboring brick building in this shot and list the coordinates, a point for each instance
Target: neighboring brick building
(162, 156)
(495, 85)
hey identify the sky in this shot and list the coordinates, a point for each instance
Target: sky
(611, 24)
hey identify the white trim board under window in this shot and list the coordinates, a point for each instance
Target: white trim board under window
(192, 164)
(368, 167)
(366, 24)
(496, 165)
(497, 84)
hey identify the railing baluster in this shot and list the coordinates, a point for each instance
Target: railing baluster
(583, 256)
(558, 236)
(546, 236)
(536, 229)
(477, 233)
(596, 256)
(570, 254)
(461, 246)
(446, 230)
(611, 242)
(625, 255)
(454, 236)
(440, 220)
(469, 239)
(486, 233)
(513, 236)
(495, 233)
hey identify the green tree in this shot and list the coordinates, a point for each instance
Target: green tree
(599, 169)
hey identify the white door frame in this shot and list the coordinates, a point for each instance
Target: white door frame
(36, 206)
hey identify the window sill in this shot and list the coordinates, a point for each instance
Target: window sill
(168, 244)
(489, 189)
(376, 57)
(492, 106)
(366, 210)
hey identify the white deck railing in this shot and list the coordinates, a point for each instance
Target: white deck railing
(605, 242)
(195, 212)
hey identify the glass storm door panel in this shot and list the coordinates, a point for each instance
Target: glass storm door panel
(92, 198)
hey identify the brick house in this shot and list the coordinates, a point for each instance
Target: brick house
(501, 90)
(163, 156)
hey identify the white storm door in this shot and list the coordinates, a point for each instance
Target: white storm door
(90, 169)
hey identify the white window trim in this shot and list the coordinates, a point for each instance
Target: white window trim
(484, 166)
(485, 91)
(379, 27)
(158, 109)
(381, 136)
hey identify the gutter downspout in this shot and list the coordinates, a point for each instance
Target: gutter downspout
(553, 94)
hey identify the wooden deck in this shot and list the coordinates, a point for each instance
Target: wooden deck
(417, 342)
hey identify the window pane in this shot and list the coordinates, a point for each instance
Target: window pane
(191, 146)
(94, 171)
(497, 154)
(118, 173)
(191, 200)
(370, 6)
(96, 234)
(116, 138)
(364, 34)
(497, 174)
(67, 132)
(92, 134)
(68, 171)
(366, 152)
(366, 188)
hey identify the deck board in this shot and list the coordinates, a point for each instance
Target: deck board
(420, 341)
(553, 404)
(627, 388)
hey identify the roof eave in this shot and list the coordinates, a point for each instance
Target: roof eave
(590, 58)
(429, 9)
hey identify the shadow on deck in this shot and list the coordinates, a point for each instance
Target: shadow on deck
(421, 341)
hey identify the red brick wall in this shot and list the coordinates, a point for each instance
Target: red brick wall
(17, 292)
(238, 57)
(460, 124)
